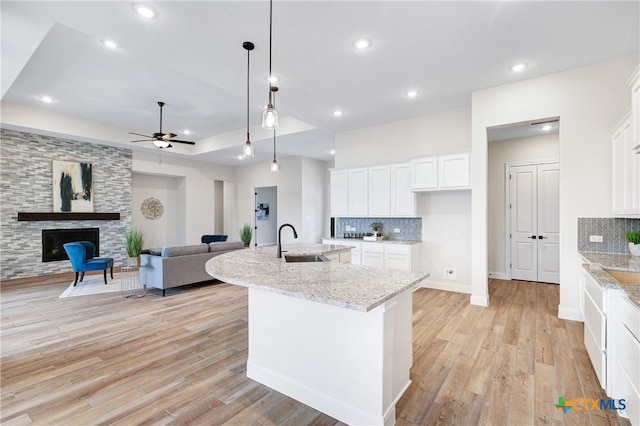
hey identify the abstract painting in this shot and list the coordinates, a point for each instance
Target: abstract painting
(72, 187)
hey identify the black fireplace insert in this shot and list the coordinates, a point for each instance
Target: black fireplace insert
(53, 239)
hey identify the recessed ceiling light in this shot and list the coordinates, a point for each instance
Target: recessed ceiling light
(332, 152)
(338, 113)
(519, 67)
(46, 99)
(272, 79)
(110, 44)
(546, 127)
(362, 43)
(145, 11)
(186, 132)
(240, 157)
(411, 93)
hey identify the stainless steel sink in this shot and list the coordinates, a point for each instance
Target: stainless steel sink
(306, 258)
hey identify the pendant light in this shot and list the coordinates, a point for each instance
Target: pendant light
(247, 149)
(270, 115)
(275, 167)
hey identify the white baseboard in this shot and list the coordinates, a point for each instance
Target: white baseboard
(479, 300)
(447, 286)
(499, 275)
(570, 314)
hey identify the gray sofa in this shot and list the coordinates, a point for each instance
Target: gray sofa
(176, 266)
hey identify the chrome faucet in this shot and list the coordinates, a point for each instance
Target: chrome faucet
(295, 235)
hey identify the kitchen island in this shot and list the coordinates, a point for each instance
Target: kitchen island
(334, 336)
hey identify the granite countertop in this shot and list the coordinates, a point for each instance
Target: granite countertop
(338, 284)
(360, 240)
(598, 262)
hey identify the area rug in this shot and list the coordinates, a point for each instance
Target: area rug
(93, 284)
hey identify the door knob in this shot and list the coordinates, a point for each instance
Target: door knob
(533, 237)
(540, 237)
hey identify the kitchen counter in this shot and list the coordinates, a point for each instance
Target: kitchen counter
(334, 336)
(361, 240)
(343, 285)
(598, 262)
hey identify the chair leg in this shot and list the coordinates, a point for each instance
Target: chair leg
(163, 290)
(111, 270)
(105, 276)
(81, 276)
(76, 280)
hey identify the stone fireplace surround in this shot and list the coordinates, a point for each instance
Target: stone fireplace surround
(25, 176)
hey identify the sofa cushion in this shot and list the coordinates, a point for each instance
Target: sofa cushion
(184, 250)
(225, 246)
(155, 251)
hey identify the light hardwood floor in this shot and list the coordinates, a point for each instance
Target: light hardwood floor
(104, 359)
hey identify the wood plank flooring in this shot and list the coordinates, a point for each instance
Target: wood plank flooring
(107, 360)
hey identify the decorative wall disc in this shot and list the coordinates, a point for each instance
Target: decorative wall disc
(152, 208)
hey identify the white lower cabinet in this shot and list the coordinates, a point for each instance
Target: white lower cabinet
(340, 257)
(404, 257)
(595, 326)
(373, 255)
(623, 353)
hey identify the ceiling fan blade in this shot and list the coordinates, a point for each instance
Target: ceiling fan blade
(140, 134)
(169, 136)
(187, 142)
(143, 140)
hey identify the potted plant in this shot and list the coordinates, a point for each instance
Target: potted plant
(634, 242)
(377, 228)
(245, 234)
(133, 240)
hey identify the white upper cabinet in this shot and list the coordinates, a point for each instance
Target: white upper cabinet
(379, 191)
(403, 200)
(442, 172)
(339, 193)
(625, 169)
(358, 192)
(424, 173)
(634, 82)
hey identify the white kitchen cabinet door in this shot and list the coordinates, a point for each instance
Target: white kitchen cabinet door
(358, 192)
(379, 191)
(634, 82)
(339, 193)
(625, 169)
(453, 171)
(424, 173)
(403, 200)
(374, 260)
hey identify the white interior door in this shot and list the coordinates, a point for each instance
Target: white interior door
(534, 198)
(548, 223)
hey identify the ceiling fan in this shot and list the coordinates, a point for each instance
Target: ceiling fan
(159, 139)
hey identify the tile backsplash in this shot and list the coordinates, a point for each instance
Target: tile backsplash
(612, 231)
(410, 228)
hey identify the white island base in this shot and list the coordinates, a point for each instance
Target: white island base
(349, 364)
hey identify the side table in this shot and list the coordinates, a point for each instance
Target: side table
(130, 284)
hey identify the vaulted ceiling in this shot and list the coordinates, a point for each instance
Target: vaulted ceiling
(190, 56)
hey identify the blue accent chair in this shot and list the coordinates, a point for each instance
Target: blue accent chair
(81, 256)
(212, 238)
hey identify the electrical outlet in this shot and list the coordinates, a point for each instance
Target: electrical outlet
(450, 274)
(396, 230)
(595, 238)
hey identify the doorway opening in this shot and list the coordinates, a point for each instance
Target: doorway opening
(523, 201)
(266, 216)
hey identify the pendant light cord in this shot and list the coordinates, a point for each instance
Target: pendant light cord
(248, 55)
(274, 130)
(270, 37)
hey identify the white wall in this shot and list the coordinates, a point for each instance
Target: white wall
(314, 200)
(197, 182)
(588, 101)
(292, 194)
(444, 213)
(401, 140)
(267, 232)
(169, 229)
(532, 149)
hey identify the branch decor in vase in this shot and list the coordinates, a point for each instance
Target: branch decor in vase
(633, 238)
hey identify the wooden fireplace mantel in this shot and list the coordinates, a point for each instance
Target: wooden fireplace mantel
(33, 216)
